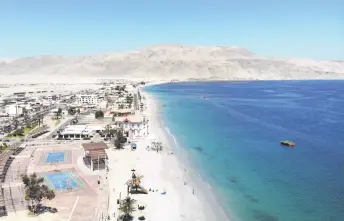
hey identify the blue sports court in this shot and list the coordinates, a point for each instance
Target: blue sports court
(63, 180)
(55, 157)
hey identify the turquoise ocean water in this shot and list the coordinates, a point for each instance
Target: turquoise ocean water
(232, 137)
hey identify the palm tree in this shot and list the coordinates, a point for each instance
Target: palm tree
(41, 118)
(16, 123)
(49, 193)
(24, 111)
(120, 139)
(107, 129)
(27, 120)
(59, 112)
(39, 121)
(127, 208)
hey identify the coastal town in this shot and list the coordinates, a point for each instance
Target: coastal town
(89, 152)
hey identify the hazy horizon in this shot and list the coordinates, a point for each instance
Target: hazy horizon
(8, 59)
(300, 29)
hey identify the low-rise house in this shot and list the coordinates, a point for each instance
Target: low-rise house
(132, 125)
(55, 111)
(80, 131)
(121, 112)
(103, 104)
(51, 97)
(87, 99)
(4, 114)
(46, 103)
(13, 110)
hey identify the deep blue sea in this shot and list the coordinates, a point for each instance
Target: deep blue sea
(233, 135)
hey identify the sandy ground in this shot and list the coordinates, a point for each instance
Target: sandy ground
(162, 172)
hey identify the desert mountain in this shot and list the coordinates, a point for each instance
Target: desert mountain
(167, 62)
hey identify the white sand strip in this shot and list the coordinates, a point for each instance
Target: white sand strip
(162, 172)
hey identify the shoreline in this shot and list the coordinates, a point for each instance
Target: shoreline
(209, 205)
(157, 82)
(170, 196)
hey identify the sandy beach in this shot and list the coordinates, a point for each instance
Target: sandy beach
(162, 171)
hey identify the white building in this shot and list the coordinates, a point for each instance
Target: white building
(103, 104)
(51, 97)
(133, 125)
(80, 131)
(4, 114)
(87, 99)
(47, 103)
(13, 110)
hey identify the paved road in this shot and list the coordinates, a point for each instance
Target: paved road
(54, 131)
(136, 103)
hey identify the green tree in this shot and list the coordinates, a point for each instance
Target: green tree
(139, 95)
(16, 123)
(36, 191)
(99, 114)
(3, 146)
(24, 111)
(71, 111)
(129, 99)
(59, 112)
(107, 129)
(127, 208)
(27, 120)
(7, 128)
(40, 119)
(120, 139)
(18, 132)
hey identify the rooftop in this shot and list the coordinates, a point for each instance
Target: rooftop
(95, 150)
(122, 111)
(137, 118)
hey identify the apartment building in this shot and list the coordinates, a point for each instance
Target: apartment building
(87, 99)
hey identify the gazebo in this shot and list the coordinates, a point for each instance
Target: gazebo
(95, 155)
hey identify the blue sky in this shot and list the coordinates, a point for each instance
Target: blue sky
(293, 28)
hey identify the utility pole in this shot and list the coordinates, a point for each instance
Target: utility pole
(98, 164)
(98, 174)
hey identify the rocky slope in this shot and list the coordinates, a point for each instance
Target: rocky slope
(179, 62)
